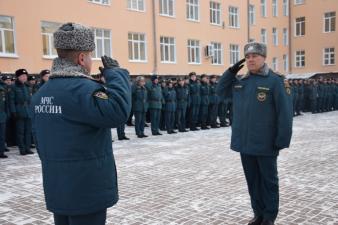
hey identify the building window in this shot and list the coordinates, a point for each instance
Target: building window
(167, 7)
(274, 8)
(215, 13)
(102, 2)
(193, 10)
(300, 26)
(233, 17)
(194, 52)
(137, 5)
(47, 30)
(234, 54)
(275, 36)
(168, 49)
(286, 63)
(285, 37)
(299, 2)
(329, 56)
(264, 38)
(217, 53)
(330, 21)
(285, 7)
(137, 47)
(252, 15)
(274, 64)
(263, 8)
(7, 40)
(300, 58)
(103, 43)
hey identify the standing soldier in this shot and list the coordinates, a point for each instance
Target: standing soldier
(140, 105)
(10, 123)
(204, 106)
(213, 102)
(3, 117)
(170, 107)
(262, 126)
(33, 87)
(162, 117)
(313, 95)
(73, 115)
(294, 91)
(155, 99)
(195, 101)
(20, 98)
(182, 95)
(336, 94)
(44, 75)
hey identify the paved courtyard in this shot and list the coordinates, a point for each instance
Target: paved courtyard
(193, 178)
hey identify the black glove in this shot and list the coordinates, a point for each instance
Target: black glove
(108, 63)
(237, 66)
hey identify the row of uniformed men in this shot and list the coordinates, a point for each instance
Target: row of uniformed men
(187, 103)
(314, 95)
(15, 98)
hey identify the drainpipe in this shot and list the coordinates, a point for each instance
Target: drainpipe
(154, 37)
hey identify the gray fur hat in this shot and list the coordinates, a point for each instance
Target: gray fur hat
(256, 48)
(72, 36)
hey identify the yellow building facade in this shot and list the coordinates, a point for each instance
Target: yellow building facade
(175, 37)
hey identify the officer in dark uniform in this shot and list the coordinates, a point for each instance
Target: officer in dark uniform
(162, 117)
(155, 99)
(72, 118)
(44, 75)
(3, 116)
(140, 105)
(170, 107)
(20, 98)
(336, 94)
(10, 123)
(294, 92)
(32, 84)
(182, 96)
(204, 106)
(195, 101)
(213, 102)
(262, 126)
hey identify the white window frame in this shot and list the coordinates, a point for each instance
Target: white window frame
(285, 36)
(300, 24)
(299, 58)
(102, 39)
(286, 62)
(50, 40)
(234, 53)
(330, 20)
(264, 36)
(138, 42)
(131, 4)
(194, 46)
(275, 63)
(193, 9)
(3, 53)
(216, 53)
(274, 8)
(215, 13)
(234, 18)
(263, 8)
(329, 56)
(252, 14)
(167, 3)
(100, 2)
(285, 7)
(167, 45)
(275, 36)
(299, 2)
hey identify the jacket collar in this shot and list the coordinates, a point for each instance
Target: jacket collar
(264, 71)
(65, 68)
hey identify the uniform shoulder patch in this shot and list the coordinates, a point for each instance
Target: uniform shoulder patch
(101, 94)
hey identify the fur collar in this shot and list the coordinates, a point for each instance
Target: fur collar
(65, 68)
(264, 71)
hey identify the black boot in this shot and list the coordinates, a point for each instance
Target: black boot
(267, 222)
(257, 220)
(3, 156)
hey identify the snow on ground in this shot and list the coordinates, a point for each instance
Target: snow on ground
(193, 178)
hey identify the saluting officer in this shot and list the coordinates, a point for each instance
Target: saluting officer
(20, 98)
(72, 118)
(182, 96)
(262, 126)
(155, 99)
(140, 105)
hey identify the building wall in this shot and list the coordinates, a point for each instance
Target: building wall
(120, 20)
